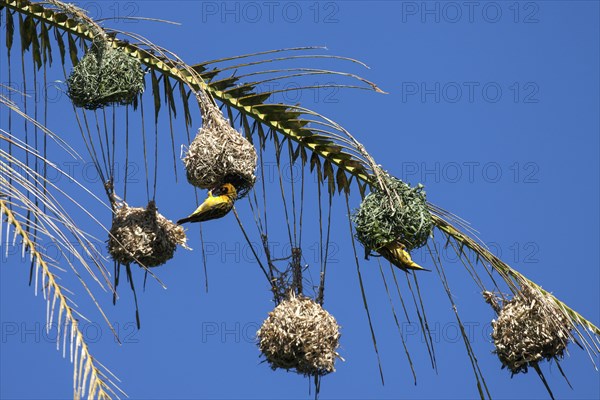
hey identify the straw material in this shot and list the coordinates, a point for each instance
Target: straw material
(529, 328)
(300, 335)
(144, 236)
(105, 76)
(219, 154)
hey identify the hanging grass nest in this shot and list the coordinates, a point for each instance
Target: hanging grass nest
(530, 328)
(105, 76)
(300, 335)
(219, 154)
(144, 236)
(405, 218)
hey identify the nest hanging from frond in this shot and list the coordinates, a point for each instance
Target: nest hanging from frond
(105, 76)
(530, 328)
(144, 236)
(219, 154)
(400, 216)
(300, 335)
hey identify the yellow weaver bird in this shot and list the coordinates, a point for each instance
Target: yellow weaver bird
(218, 203)
(395, 252)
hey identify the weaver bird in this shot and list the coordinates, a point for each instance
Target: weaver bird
(218, 203)
(395, 252)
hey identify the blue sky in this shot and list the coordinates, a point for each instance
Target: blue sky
(493, 106)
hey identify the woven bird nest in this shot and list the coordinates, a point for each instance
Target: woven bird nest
(219, 154)
(530, 328)
(405, 218)
(105, 76)
(300, 335)
(144, 236)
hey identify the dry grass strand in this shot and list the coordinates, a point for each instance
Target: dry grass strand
(529, 329)
(144, 236)
(300, 335)
(219, 154)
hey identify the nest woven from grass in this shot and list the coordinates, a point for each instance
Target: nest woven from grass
(105, 76)
(144, 236)
(219, 154)
(405, 218)
(529, 328)
(300, 335)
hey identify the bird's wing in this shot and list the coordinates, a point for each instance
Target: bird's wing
(213, 211)
(395, 253)
(212, 208)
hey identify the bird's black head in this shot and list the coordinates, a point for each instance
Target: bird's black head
(226, 189)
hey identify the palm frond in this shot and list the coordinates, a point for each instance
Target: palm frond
(90, 378)
(31, 204)
(515, 280)
(246, 95)
(282, 118)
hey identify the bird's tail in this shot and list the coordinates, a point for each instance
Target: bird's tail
(396, 254)
(184, 220)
